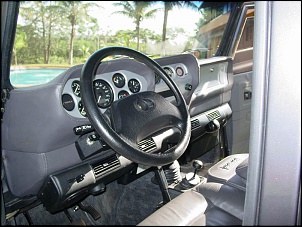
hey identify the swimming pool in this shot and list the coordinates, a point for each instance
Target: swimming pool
(28, 77)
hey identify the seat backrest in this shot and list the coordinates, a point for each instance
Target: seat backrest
(231, 170)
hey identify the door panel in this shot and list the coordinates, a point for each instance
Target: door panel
(239, 125)
(238, 129)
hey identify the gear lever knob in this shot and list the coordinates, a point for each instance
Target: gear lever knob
(197, 164)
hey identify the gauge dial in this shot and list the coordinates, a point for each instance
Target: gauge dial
(103, 93)
(122, 94)
(75, 86)
(157, 78)
(180, 71)
(134, 85)
(169, 71)
(82, 109)
(118, 80)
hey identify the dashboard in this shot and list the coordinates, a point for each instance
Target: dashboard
(120, 78)
(48, 125)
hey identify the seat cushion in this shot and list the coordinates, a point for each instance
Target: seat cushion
(186, 209)
(228, 199)
(219, 205)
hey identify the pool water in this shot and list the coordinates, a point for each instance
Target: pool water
(29, 77)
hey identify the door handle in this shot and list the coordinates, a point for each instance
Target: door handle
(247, 95)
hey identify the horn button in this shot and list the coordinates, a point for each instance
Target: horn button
(144, 104)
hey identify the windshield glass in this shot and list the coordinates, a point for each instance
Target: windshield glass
(55, 35)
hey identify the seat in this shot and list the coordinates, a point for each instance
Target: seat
(232, 170)
(219, 201)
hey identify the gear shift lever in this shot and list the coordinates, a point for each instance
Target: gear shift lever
(197, 166)
(192, 179)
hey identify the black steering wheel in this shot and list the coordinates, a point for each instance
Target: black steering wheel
(137, 116)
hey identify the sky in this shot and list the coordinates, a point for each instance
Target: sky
(184, 18)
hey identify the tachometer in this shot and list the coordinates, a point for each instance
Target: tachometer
(103, 93)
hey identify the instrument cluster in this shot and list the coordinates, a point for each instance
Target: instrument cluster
(108, 87)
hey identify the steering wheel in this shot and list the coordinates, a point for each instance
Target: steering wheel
(137, 116)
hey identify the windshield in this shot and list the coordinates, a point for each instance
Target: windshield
(56, 35)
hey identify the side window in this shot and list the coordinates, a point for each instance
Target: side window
(243, 58)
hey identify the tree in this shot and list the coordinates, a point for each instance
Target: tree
(124, 35)
(75, 11)
(168, 6)
(137, 10)
(42, 15)
(19, 43)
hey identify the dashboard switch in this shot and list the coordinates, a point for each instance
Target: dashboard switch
(90, 144)
(94, 137)
(188, 87)
(80, 178)
(82, 129)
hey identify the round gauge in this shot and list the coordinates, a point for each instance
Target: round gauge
(134, 85)
(118, 80)
(169, 71)
(103, 93)
(82, 109)
(157, 78)
(75, 86)
(122, 94)
(180, 71)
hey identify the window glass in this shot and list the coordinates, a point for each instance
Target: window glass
(55, 35)
(243, 59)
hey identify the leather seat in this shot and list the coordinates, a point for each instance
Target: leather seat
(232, 170)
(219, 201)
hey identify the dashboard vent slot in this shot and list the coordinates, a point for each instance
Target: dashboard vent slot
(147, 145)
(103, 166)
(213, 115)
(195, 124)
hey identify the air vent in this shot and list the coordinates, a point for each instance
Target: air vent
(195, 124)
(103, 166)
(213, 115)
(147, 145)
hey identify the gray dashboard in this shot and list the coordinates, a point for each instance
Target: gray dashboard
(38, 127)
(119, 78)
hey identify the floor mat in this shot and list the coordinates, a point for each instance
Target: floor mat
(139, 199)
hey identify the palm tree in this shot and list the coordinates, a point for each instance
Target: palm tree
(75, 11)
(168, 6)
(136, 10)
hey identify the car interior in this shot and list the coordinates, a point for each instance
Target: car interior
(134, 140)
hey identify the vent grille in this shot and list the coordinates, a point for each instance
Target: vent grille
(195, 124)
(105, 165)
(213, 115)
(147, 145)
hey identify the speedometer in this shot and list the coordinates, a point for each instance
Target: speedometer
(103, 93)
